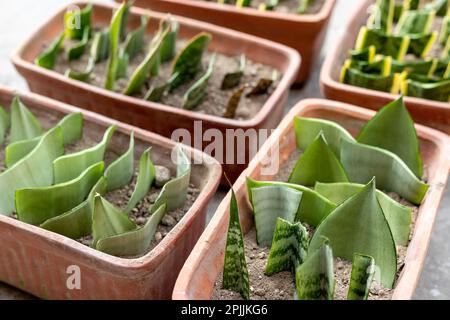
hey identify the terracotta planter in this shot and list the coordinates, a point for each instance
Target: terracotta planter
(196, 280)
(304, 33)
(431, 113)
(35, 260)
(157, 117)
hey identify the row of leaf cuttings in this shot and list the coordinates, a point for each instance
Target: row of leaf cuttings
(333, 190)
(392, 52)
(118, 46)
(65, 193)
(268, 5)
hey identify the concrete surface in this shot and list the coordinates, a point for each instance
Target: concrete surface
(19, 18)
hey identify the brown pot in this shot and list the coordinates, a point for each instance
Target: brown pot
(196, 280)
(35, 260)
(157, 117)
(431, 113)
(304, 33)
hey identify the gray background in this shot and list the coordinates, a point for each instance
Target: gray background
(21, 17)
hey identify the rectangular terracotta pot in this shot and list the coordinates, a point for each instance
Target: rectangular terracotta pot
(197, 278)
(304, 33)
(36, 260)
(428, 112)
(157, 117)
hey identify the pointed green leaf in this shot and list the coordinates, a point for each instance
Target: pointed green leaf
(362, 162)
(318, 164)
(120, 172)
(135, 39)
(47, 59)
(5, 122)
(77, 21)
(135, 242)
(289, 247)
(70, 166)
(155, 93)
(363, 271)
(76, 50)
(34, 170)
(36, 205)
(100, 46)
(415, 22)
(168, 46)
(235, 273)
(359, 226)
(24, 125)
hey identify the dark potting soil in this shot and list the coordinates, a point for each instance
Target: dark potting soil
(287, 6)
(216, 99)
(282, 286)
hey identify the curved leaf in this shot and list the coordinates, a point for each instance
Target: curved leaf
(439, 91)
(82, 75)
(100, 46)
(421, 44)
(367, 54)
(355, 77)
(168, 46)
(120, 172)
(233, 103)
(77, 21)
(135, 39)
(5, 122)
(415, 22)
(24, 125)
(76, 50)
(47, 59)
(155, 93)
(363, 271)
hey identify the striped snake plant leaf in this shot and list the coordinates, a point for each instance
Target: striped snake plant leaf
(76, 50)
(415, 4)
(415, 22)
(441, 7)
(77, 222)
(155, 93)
(174, 192)
(72, 130)
(243, 3)
(382, 66)
(439, 91)
(289, 247)
(145, 178)
(382, 17)
(423, 67)
(367, 54)
(24, 125)
(168, 46)
(313, 206)
(401, 8)
(36, 205)
(114, 39)
(189, 61)
(196, 93)
(362, 162)
(421, 44)
(70, 166)
(235, 273)
(359, 226)
(269, 203)
(82, 75)
(120, 172)
(124, 20)
(34, 170)
(392, 128)
(314, 279)
(134, 41)
(100, 45)
(233, 79)
(397, 215)
(363, 271)
(389, 45)
(47, 59)
(134, 242)
(318, 164)
(77, 21)
(5, 122)
(307, 130)
(108, 220)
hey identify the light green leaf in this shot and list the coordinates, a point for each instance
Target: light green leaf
(76, 50)
(70, 166)
(302, 7)
(5, 122)
(363, 271)
(77, 21)
(47, 59)
(100, 46)
(24, 125)
(359, 226)
(120, 172)
(36, 205)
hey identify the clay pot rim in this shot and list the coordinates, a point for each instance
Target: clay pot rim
(332, 59)
(157, 254)
(320, 16)
(404, 289)
(292, 57)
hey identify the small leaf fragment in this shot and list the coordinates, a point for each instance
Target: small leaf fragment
(24, 125)
(363, 271)
(47, 59)
(233, 79)
(233, 103)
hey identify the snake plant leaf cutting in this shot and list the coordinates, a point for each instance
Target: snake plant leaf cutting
(382, 17)
(120, 172)
(24, 124)
(391, 45)
(415, 22)
(76, 50)
(114, 38)
(392, 128)
(390, 83)
(363, 271)
(307, 130)
(5, 122)
(155, 93)
(77, 222)
(314, 279)
(439, 91)
(289, 247)
(359, 226)
(263, 85)
(197, 91)
(134, 41)
(233, 102)
(70, 166)
(421, 44)
(134, 242)
(47, 59)
(235, 273)
(34, 170)
(168, 47)
(313, 206)
(365, 55)
(381, 65)
(82, 75)
(100, 45)
(270, 203)
(174, 192)
(398, 216)
(36, 205)
(233, 79)
(145, 178)
(362, 162)
(76, 22)
(318, 164)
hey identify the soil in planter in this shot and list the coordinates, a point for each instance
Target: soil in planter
(282, 286)
(216, 99)
(286, 6)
